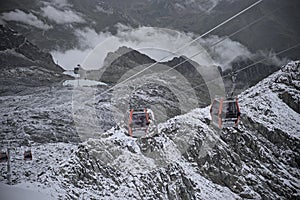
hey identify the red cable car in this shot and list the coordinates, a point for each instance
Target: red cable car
(27, 155)
(225, 112)
(3, 156)
(139, 122)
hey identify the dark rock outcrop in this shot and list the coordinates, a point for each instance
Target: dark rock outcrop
(24, 65)
(248, 77)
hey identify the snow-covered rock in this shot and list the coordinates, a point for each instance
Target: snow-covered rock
(189, 159)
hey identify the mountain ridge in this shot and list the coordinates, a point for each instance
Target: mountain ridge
(24, 65)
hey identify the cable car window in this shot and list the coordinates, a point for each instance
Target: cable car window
(3, 157)
(216, 106)
(231, 109)
(28, 155)
(139, 119)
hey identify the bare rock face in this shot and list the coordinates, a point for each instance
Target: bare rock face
(24, 64)
(11, 41)
(288, 85)
(249, 76)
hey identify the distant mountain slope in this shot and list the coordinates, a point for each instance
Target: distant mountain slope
(120, 62)
(125, 61)
(13, 42)
(24, 64)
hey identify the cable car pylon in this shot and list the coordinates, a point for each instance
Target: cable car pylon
(5, 156)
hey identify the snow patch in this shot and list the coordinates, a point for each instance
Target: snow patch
(82, 83)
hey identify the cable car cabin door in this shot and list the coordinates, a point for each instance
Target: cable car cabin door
(225, 113)
(215, 112)
(230, 113)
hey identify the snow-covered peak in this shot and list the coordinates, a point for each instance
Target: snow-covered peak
(274, 102)
(290, 74)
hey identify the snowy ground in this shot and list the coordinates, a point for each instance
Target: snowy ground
(264, 106)
(82, 83)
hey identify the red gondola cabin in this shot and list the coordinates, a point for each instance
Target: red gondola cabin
(3, 156)
(27, 155)
(225, 112)
(138, 123)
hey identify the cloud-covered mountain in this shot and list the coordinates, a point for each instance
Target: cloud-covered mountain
(52, 24)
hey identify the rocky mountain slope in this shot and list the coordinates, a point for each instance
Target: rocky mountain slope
(125, 60)
(24, 64)
(189, 159)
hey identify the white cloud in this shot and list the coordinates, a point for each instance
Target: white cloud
(88, 38)
(61, 4)
(226, 51)
(25, 18)
(69, 59)
(61, 17)
(157, 43)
